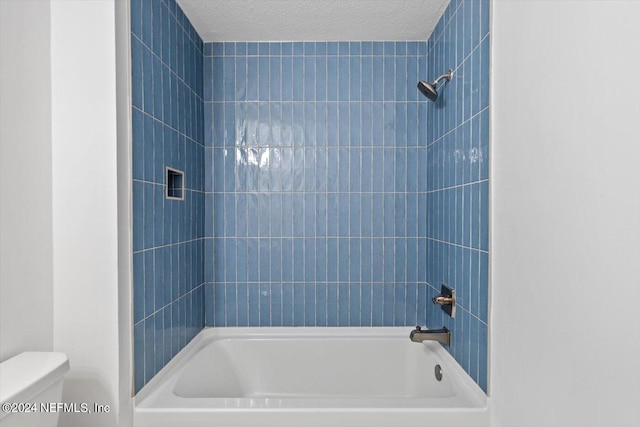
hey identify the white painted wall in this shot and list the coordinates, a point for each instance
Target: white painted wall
(125, 221)
(26, 247)
(566, 214)
(85, 221)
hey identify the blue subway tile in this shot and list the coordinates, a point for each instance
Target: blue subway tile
(298, 259)
(265, 304)
(332, 48)
(354, 304)
(269, 210)
(286, 48)
(343, 259)
(286, 70)
(399, 299)
(332, 79)
(275, 48)
(309, 303)
(388, 303)
(421, 306)
(366, 48)
(401, 79)
(137, 78)
(483, 144)
(378, 259)
(146, 27)
(483, 227)
(299, 304)
(158, 215)
(156, 87)
(321, 78)
(377, 304)
(275, 307)
(138, 287)
(332, 304)
(400, 260)
(354, 260)
(355, 78)
(254, 303)
(389, 78)
(287, 304)
(242, 301)
(343, 304)
(365, 304)
(252, 78)
(229, 261)
(253, 261)
(411, 295)
(389, 261)
(231, 307)
(149, 349)
(354, 48)
(263, 49)
(378, 78)
(263, 78)
(149, 283)
(321, 260)
(309, 260)
(298, 48)
(309, 77)
(343, 78)
(275, 79)
(333, 255)
(139, 355)
(483, 297)
(138, 158)
(147, 83)
(366, 248)
(310, 131)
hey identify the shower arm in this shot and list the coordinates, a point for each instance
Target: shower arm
(447, 76)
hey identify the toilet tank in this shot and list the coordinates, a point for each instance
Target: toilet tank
(28, 380)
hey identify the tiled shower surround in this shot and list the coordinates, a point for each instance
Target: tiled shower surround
(316, 185)
(168, 245)
(458, 180)
(322, 188)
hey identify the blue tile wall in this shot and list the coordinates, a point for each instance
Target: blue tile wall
(457, 140)
(168, 131)
(316, 184)
(321, 187)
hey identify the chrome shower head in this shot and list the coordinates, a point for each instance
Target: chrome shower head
(429, 89)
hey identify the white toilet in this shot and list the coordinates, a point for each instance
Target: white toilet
(31, 378)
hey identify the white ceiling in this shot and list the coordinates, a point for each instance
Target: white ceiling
(313, 20)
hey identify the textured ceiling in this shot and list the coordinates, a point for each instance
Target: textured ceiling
(314, 20)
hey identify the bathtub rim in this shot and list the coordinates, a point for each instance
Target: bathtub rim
(461, 379)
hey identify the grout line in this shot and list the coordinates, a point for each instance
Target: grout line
(181, 79)
(176, 300)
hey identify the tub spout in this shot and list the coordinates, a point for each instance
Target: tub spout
(441, 335)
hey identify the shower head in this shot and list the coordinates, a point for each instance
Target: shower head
(429, 89)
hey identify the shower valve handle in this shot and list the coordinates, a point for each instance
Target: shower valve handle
(446, 300)
(443, 300)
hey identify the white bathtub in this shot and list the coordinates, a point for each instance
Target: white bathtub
(329, 377)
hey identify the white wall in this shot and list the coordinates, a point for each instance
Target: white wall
(85, 222)
(566, 214)
(26, 264)
(125, 242)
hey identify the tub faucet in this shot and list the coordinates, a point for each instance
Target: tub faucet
(441, 335)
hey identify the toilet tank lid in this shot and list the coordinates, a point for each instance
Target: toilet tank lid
(22, 377)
